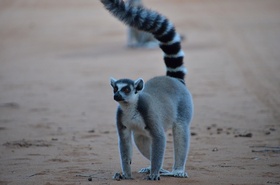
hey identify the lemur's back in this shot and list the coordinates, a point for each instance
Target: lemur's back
(165, 87)
(170, 98)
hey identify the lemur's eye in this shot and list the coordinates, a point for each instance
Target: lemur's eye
(126, 90)
(115, 89)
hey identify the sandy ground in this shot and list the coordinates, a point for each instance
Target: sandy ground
(56, 107)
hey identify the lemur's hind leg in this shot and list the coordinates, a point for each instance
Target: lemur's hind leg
(181, 140)
(143, 144)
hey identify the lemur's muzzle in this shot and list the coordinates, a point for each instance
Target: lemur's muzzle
(118, 97)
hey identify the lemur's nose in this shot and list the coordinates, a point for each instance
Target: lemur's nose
(118, 97)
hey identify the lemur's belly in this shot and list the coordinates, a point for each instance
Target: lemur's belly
(143, 143)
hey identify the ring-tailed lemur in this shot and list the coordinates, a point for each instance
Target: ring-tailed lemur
(137, 38)
(147, 111)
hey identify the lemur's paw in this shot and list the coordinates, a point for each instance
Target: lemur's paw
(163, 171)
(167, 174)
(176, 173)
(145, 170)
(148, 169)
(180, 173)
(119, 176)
(154, 177)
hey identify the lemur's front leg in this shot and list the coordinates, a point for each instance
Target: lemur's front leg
(125, 148)
(157, 155)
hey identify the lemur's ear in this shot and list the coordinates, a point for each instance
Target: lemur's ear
(113, 82)
(139, 85)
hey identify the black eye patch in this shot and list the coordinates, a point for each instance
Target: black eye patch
(126, 89)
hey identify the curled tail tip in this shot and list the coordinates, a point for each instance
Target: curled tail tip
(109, 1)
(111, 4)
(104, 2)
(156, 24)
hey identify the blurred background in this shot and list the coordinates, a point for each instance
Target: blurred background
(57, 114)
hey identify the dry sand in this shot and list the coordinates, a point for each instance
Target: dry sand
(56, 107)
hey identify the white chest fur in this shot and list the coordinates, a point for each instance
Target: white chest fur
(132, 119)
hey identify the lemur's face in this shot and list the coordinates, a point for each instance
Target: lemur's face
(126, 90)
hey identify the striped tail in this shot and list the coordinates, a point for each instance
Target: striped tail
(155, 23)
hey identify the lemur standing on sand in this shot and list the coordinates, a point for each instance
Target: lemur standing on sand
(147, 110)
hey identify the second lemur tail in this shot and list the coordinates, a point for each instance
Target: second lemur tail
(157, 24)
